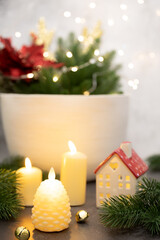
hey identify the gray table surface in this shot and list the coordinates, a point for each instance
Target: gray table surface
(92, 229)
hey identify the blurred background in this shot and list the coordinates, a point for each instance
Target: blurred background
(129, 27)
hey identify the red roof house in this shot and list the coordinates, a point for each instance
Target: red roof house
(118, 173)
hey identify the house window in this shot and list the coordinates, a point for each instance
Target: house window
(101, 201)
(128, 186)
(108, 195)
(101, 184)
(100, 176)
(120, 185)
(108, 177)
(107, 184)
(113, 165)
(101, 195)
(128, 178)
(120, 177)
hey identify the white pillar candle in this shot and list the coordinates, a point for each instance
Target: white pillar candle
(73, 175)
(30, 179)
(51, 211)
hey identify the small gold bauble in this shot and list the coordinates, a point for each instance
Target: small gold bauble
(81, 216)
(22, 233)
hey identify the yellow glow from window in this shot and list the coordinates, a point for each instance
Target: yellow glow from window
(113, 165)
(101, 195)
(128, 185)
(108, 195)
(108, 177)
(100, 176)
(107, 184)
(120, 185)
(127, 178)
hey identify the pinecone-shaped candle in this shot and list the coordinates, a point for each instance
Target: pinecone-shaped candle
(51, 210)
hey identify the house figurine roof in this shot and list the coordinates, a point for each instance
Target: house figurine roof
(134, 163)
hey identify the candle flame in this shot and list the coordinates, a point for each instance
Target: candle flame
(51, 174)
(72, 147)
(28, 163)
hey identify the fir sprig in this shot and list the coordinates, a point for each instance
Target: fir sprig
(154, 162)
(10, 199)
(141, 209)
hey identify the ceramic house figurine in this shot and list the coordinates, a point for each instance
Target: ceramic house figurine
(118, 173)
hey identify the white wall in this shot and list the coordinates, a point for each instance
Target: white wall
(138, 38)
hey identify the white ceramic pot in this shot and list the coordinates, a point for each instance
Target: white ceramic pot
(39, 126)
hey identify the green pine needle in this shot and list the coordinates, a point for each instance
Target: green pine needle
(141, 209)
(108, 79)
(10, 199)
(154, 162)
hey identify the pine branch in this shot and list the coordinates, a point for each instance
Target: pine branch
(154, 162)
(10, 199)
(141, 209)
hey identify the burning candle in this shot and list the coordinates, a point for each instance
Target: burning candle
(51, 211)
(30, 179)
(73, 175)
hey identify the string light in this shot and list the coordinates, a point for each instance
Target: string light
(133, 83)
(152, 55)
(100, 59)
(121, 52)
(130, 65)
(92, 61)
(67, 14)
(55, 78)
(123, 6)
(96, 52)
(30, 75)
(74, 69)
(110, 22)
(140, 1)
(125, 18)
(69, 54)
(80, 38)
(45, 54)
(92, 5)
(158, 12)
(18, 34)
(86, 93)
(79, 20)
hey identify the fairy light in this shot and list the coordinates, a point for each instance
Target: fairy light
(30, 75)
(80, 38)
(86, 93)
(100, 59)
(152, 55)
(67, 14)
(158, 12)
(74, 69)
(92, 61)
(133, 83)
(69, 54)
(140, 1)
(125, 18)
(130, 65)
(79, 20)
(123, 6)
(92, 5)
(18, 34)
(110, 22)
(55, 78)
(96, 52)
(120, 52)
(45, 54)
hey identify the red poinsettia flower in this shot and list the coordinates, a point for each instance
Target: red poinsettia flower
(15, 63)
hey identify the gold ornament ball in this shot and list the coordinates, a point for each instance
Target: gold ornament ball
(22, 233)
(81, 216)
